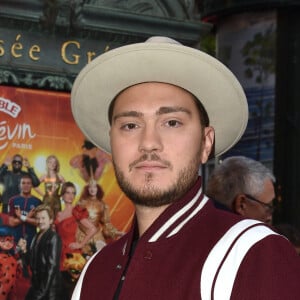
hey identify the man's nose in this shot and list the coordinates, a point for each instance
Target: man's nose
(150, 139)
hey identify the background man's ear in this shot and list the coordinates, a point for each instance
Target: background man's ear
(240, 204)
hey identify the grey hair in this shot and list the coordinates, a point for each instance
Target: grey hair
(237, 175)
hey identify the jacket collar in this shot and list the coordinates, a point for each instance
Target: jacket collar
(173, 219)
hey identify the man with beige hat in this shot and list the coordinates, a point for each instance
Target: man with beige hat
(162, 110)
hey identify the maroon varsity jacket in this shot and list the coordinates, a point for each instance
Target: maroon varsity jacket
(195, 251)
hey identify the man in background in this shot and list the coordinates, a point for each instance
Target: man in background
(244, 186)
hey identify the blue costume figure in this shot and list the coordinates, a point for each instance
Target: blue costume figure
(22, 207)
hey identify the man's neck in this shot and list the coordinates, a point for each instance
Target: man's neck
(147, 215)
(25, 195)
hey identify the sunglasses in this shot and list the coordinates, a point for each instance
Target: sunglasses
(17, 162)
(269, 207)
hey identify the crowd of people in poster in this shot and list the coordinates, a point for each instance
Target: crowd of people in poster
(38, 211)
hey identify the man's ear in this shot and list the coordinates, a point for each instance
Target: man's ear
(208, 141)
(240, 204)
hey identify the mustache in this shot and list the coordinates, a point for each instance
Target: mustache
(149, 157)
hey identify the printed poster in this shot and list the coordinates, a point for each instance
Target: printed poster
(39, 123)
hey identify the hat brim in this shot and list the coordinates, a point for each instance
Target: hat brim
(197, 72)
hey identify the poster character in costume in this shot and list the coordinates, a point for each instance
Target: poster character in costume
(91, 162)
(52, 181)
(98, 213)
(8, 264)
(44, 258)
(22, 207)
(162, 121)
(11, 178)
(73, 265)
(67, 222)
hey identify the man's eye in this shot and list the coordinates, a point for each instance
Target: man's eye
(173, 123)
(129, 126)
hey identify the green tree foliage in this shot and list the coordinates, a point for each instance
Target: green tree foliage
(259, 59)
(259, 56)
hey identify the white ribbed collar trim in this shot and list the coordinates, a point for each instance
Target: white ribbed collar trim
(176, 216)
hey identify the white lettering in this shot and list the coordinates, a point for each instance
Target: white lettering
(19, 131)
(9, 107)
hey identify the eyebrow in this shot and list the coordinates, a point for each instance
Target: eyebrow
(162, 110)
(171, 109)
(131, 113)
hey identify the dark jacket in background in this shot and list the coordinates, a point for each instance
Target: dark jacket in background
(44, 258)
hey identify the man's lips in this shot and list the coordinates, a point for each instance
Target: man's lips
(150, 166)
(150, 162)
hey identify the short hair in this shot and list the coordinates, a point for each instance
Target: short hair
(24, 176)
(237, 175)
(18, 155)
(66, 185)
(44, 207)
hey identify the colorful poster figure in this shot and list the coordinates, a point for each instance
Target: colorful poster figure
(37, 124)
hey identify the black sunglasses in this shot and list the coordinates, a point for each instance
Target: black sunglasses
(268, 206)
(17, 162)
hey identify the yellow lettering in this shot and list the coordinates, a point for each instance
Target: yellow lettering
(90, 56)
(64, 49)
(16, 46)
(34, 49)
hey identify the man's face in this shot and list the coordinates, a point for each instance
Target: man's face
(157, 143)
(17, 163)
(26, 186)
(43, 220)
(260, 211)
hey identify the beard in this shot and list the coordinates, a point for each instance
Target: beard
(152, 196)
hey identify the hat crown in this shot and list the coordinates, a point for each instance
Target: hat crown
(162, 39)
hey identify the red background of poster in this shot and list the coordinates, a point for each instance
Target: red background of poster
(47, 115)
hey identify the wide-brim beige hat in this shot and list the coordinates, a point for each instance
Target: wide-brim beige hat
(159, 60)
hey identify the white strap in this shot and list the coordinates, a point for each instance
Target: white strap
(226, 257)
